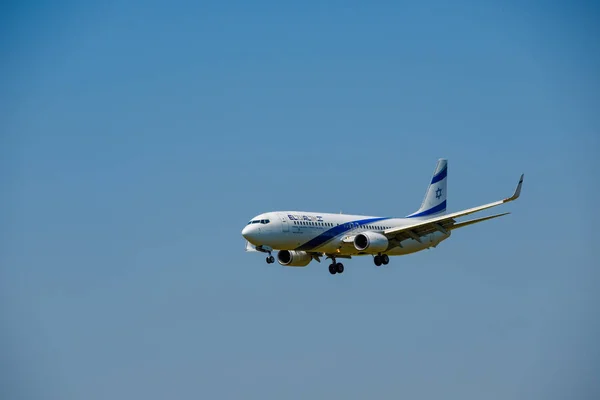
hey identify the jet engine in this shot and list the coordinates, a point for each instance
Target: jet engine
(292, 258)
(371, 242)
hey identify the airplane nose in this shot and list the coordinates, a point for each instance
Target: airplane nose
(246, 231)
(250, 233)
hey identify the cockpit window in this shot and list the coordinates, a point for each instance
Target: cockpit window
(259, 221)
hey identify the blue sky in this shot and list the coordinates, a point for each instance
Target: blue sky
(138, 139)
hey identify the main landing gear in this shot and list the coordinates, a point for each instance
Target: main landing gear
(381, 259)
(336, 268)
(270, 259)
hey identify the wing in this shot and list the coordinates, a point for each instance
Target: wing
(447, 222)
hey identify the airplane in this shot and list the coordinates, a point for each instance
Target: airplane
(300, 237)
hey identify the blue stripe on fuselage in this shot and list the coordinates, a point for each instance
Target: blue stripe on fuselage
(336, 231)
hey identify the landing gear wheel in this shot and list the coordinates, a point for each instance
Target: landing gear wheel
(339, 267)
(332, 269)
(385, 259)
(377, 260)
(271, 259)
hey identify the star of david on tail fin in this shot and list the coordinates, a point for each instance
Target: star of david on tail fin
(434, 202)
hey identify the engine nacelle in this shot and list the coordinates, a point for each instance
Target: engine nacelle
(371, 242)
(292, 258)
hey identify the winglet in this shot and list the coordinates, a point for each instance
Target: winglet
(517, 191)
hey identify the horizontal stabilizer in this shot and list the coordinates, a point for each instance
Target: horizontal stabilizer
(250, 247)
(261, 248)
(474, 221)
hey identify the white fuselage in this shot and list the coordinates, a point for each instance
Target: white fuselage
(328, 233)
(299, 236)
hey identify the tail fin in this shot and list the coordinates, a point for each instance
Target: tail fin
(434, 202)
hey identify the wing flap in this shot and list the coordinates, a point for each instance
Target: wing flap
(419, 230)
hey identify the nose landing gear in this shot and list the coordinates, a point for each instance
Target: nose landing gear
(266, 249)
(270, 258)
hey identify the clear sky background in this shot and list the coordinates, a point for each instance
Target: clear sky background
(137, 139)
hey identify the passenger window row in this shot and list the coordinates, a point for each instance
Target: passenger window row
(376, 227)
(309, 223)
